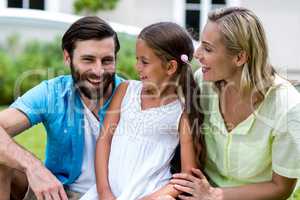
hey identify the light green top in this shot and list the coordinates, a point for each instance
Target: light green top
(268, 140)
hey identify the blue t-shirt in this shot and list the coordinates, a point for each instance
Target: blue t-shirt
(57, 104)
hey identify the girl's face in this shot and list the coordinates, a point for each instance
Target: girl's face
(150, 67)
(216, 63)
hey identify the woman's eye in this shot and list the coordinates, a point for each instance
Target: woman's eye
(207, 49)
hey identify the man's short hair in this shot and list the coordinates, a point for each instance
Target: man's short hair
(88, 28)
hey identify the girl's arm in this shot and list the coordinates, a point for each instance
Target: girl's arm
(279, 188)
(187, 149)
(111, 120)
(188, 159)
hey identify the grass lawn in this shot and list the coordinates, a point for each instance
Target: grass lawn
(34, 139)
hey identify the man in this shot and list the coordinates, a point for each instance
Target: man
(72, 109)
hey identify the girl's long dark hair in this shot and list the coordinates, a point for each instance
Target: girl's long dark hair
(169, 41)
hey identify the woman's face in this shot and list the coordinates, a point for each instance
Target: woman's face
(217, 64)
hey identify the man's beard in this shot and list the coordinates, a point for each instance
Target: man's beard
(92, 93)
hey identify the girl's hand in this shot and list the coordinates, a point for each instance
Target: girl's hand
(165, 197)
(196, 186)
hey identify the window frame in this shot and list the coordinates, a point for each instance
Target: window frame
(26, 4)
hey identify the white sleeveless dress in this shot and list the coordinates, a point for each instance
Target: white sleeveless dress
(142, 147)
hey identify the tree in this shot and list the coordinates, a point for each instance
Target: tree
(92, 6)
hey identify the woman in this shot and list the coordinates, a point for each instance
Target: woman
(252, 115)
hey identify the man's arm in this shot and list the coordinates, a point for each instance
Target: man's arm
(12, 122)
(40, 179)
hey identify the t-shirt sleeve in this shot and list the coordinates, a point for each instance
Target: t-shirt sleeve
(33, 103)
(198, 77)
(286, 144)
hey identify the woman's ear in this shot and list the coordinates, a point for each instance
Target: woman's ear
(67, 58)
(241, 58)
(172, 67)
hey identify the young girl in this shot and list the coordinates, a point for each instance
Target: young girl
(148, 119)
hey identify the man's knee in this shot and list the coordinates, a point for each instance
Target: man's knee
(6, 174)
(13, 183)
(19, 185)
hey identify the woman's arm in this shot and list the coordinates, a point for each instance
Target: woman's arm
(188, 158)
(111, 121)
(279, 188)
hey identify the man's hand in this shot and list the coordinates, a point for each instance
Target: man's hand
(108, 196)
(44, 184)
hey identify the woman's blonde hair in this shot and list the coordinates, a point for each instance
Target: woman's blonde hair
(241, 30)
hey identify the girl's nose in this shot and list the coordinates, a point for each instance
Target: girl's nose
(198, 54)
(138, 66)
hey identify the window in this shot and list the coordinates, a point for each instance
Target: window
(193, 1)
(192, 17)
(193, 13)
(193, 23)
(28, 4)
(14, 4)
(218, 2)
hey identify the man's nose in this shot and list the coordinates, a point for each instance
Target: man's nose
(98, 68)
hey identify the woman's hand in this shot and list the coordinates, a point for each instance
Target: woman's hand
(196, 186)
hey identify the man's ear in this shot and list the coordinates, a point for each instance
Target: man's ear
(241, 58)
(172, 67)
(67, 58)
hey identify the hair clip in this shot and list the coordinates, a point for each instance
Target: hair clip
(184, 58)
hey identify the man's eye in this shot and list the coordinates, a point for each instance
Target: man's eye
(87, 60)
(107, 62)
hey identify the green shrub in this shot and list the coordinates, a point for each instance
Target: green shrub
(24, 66)
(126, 57)
(92, 6)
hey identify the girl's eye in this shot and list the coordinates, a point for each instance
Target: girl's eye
(144, 62)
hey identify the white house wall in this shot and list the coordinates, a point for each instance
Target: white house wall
(140, 13)
(52, 5)
(3, 4)
(66, 6)
(281, 20)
